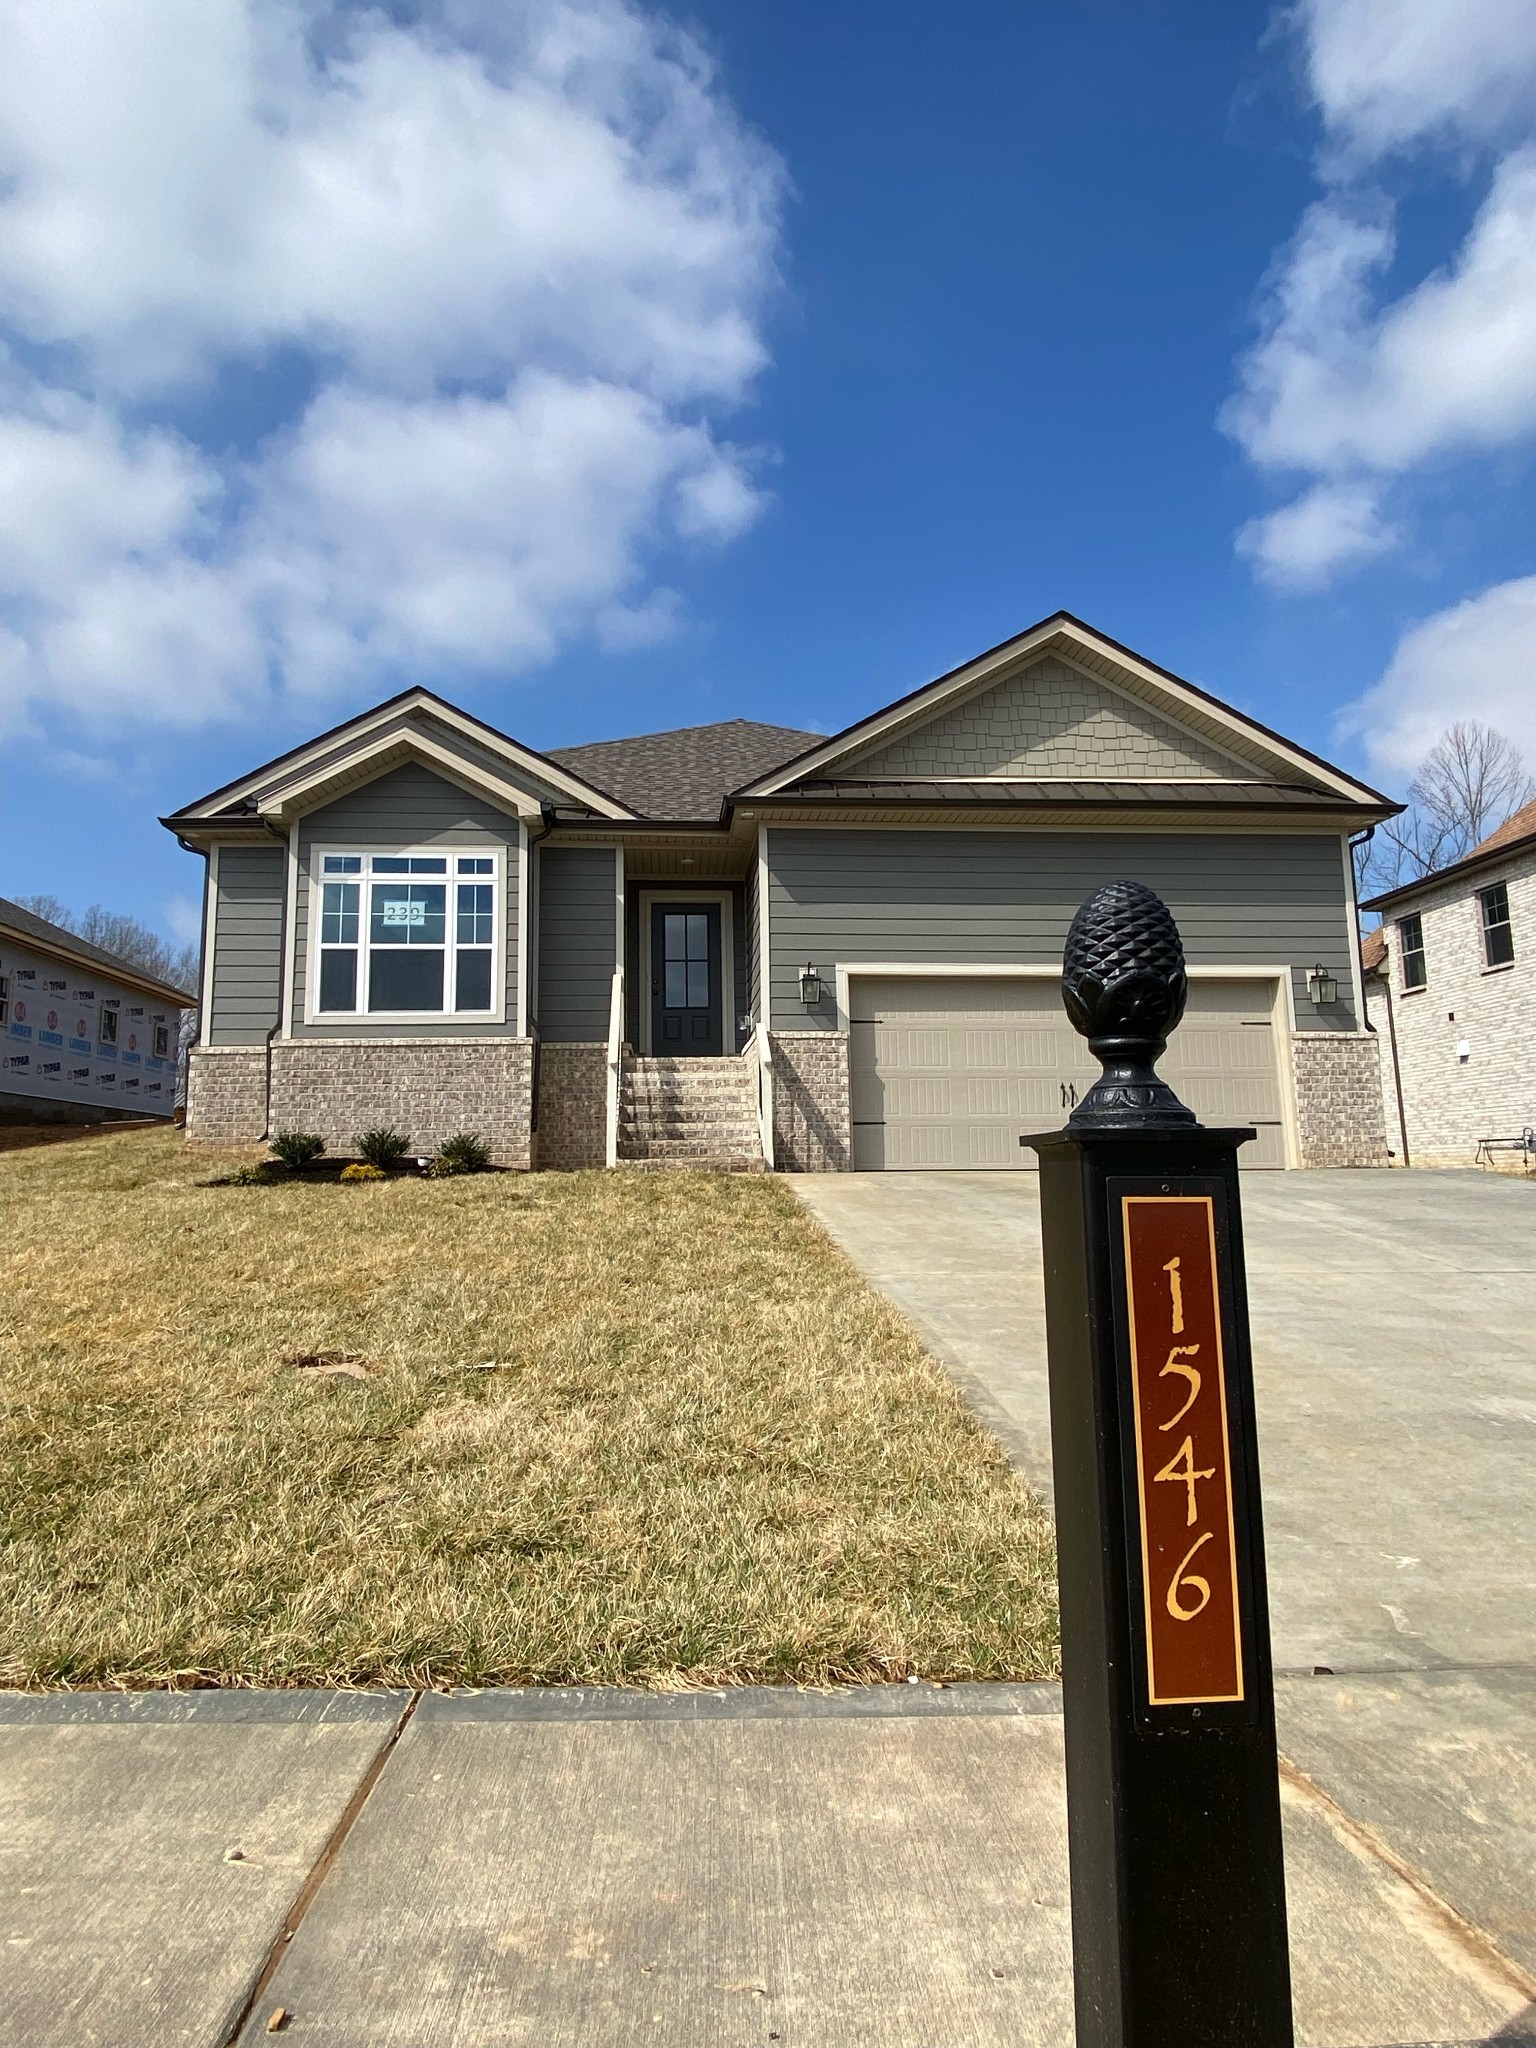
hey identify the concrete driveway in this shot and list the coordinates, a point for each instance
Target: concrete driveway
(1393, 1317)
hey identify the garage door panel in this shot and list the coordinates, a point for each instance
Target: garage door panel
(947, 1072)
(899, 1047)
(1207, 1051)
(1009, 1050)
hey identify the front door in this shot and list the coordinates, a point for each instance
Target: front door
(686, 1008)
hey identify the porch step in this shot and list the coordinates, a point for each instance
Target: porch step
(698, 1113)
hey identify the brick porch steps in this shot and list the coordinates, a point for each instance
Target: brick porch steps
(689, 1112)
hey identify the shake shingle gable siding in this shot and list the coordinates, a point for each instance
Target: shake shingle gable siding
(686, 774)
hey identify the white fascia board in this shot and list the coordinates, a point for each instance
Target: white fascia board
(292, 799)
(1182, 701)
(336, 750)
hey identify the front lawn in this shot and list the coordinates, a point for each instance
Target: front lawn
(704, 1450)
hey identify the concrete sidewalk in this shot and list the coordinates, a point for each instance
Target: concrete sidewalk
(884, 1867)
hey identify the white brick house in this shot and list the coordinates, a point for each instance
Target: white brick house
(1450, 989)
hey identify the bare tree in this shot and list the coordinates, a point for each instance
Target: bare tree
(1472, 779)
(117, 933)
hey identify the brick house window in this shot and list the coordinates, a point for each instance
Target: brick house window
(1498, 933)
(1410, 940)
(407, 934)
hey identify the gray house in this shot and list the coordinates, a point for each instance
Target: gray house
(743, 945)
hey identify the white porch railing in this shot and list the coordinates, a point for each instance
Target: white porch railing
(615, 1065)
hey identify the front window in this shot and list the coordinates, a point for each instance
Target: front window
(1498, 933)
(412, 934)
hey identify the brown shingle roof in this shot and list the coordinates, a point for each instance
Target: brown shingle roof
(684, 774)
(1520, 825)
(1373, 948)
(1515, 831)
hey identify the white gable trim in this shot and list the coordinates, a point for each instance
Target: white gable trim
(363, 765)
(1185, 707)
(293, 773)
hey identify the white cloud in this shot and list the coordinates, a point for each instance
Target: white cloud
(1352, 392)
(1474, 660)
(522, 253)
(183, 917)
(1303, 544)
(1385, 73)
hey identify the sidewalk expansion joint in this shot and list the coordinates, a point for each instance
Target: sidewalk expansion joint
(293, 1920)
(1464, 1935)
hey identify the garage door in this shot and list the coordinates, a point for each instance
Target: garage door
(947, 1072)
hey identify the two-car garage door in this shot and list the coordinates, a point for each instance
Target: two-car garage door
(947, 1071)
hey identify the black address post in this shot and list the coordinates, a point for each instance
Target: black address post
(1178, 1884)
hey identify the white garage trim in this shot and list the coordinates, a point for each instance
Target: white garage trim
(1283, 1013)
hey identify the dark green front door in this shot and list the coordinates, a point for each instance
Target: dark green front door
(686, 1009)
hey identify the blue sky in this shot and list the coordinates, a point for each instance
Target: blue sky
(608, 375)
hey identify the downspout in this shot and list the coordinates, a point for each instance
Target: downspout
(1397, 1072)
(525, 968)
(1364, 839)
(282, 980)
(184, 1050)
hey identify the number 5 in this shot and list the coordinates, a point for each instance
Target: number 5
(1185, 1577)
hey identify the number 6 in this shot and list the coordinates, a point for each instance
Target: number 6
(1184, 1576)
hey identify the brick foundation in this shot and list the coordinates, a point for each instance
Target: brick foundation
(1338, 1098)
(812, 1120)
(227, 1094)
(338, 1087)
(573, 1106)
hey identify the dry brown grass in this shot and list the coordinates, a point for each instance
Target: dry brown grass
(709, 1453)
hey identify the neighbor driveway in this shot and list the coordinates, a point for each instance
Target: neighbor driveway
(1393, 1317)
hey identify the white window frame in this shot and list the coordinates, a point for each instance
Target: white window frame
(491, 850)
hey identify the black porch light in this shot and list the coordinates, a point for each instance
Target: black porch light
(810, 986)
(1322, 987)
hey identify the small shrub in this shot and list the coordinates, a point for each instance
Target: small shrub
(297, 1149)
(463, 1153)
(385, 1149)
(255, 1174)
(361, 1170)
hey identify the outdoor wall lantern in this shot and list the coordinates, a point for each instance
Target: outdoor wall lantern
(1322, 987)
(810, 986)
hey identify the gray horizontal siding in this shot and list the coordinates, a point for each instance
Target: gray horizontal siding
(247, 945)
(578, 936)
(990, 898)
(408, 807)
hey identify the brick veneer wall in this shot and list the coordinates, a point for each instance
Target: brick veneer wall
(1450, 1102)
(1338, 1098)
(812, 1120)
(227, 1094)
(338, 1087)
(573, 1106)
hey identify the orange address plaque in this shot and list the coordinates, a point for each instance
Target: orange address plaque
(1183, 1451)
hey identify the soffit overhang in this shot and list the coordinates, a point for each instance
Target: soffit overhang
(1252, 747)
